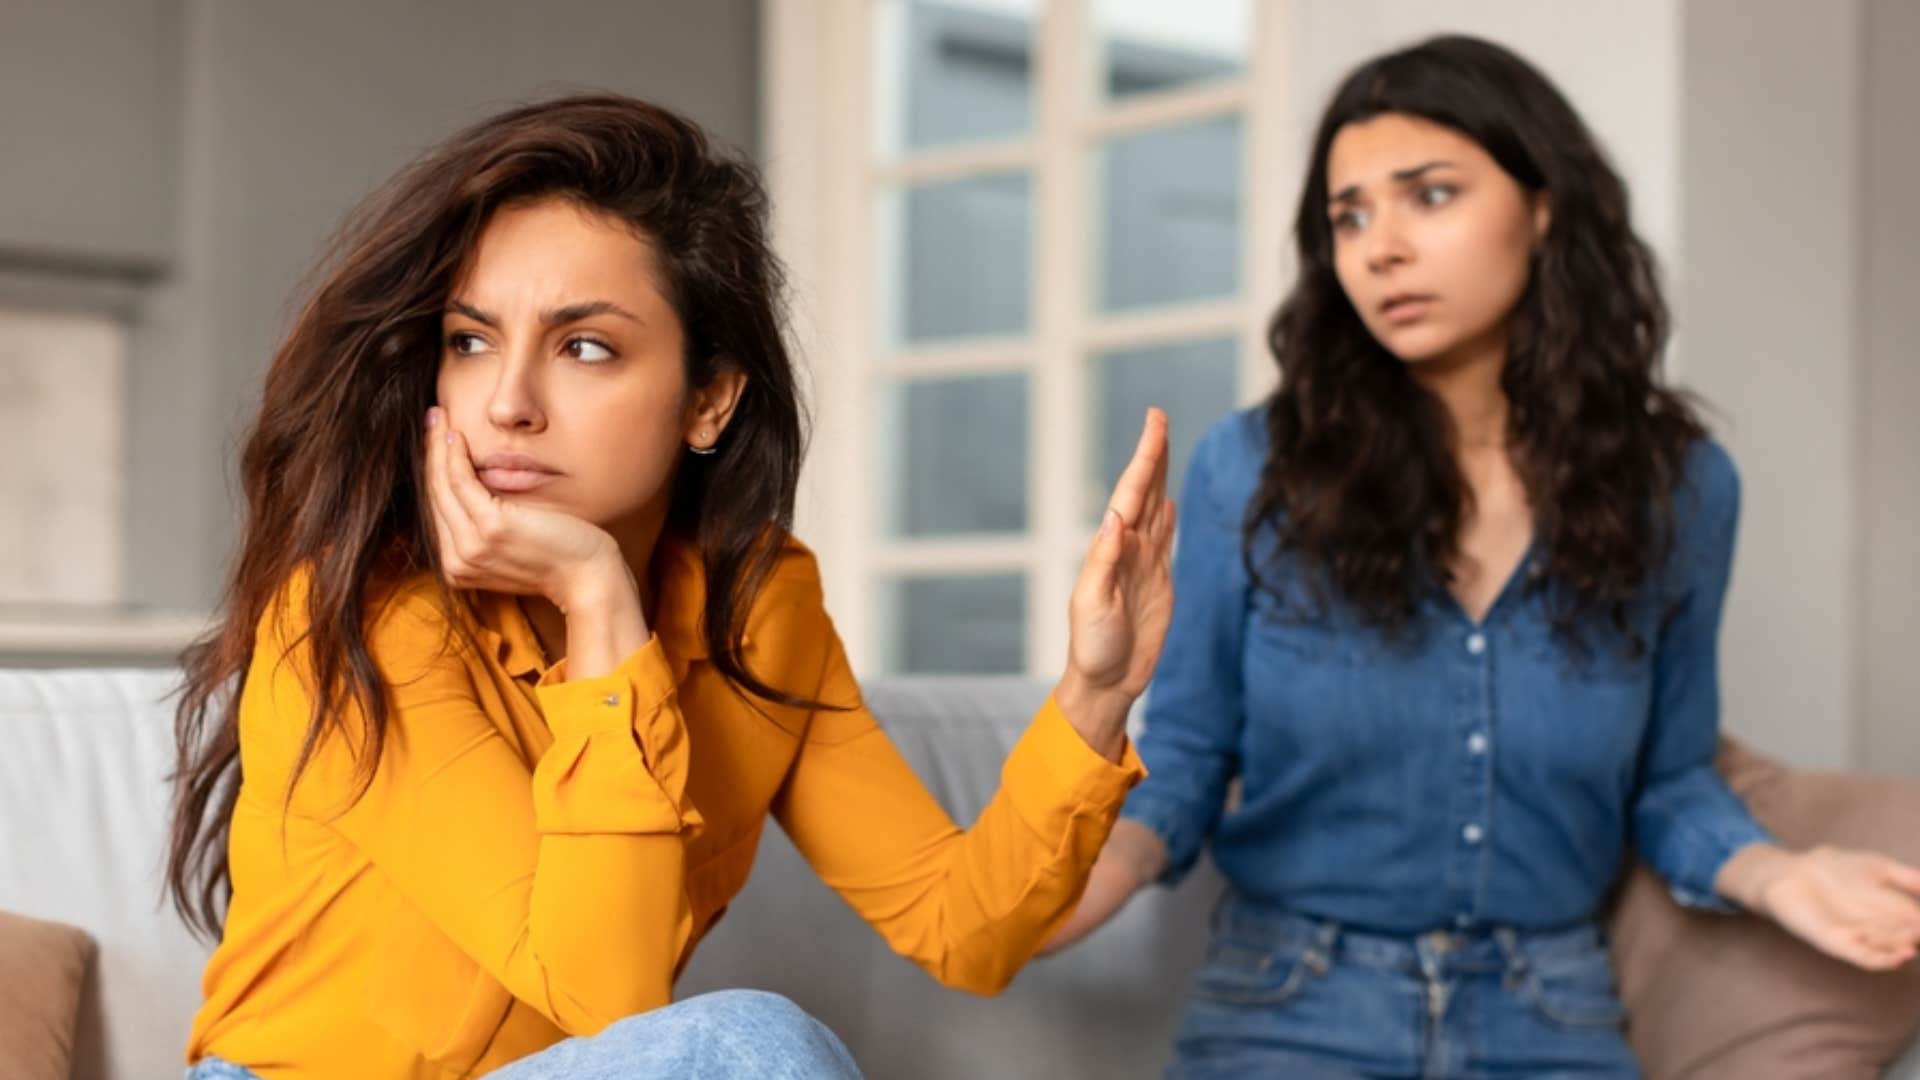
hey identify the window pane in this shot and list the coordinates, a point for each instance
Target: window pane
(955, 256)
(1151, 45)
(955, 455)
(62, 438)
(1170, 215)
(951, 71)
(1193, 381)
(962, 624)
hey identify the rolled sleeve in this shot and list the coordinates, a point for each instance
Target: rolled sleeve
(1053, 776)
(1686, 821)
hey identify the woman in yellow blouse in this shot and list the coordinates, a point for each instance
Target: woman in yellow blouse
(518, 655)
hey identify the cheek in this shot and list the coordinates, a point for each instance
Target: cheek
(1488, 265)
(1350, 271)
(461, 397)
(631, 447)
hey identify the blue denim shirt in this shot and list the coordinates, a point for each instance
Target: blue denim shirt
(1460, 774)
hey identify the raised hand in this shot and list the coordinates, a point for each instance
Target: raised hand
(1123, 600)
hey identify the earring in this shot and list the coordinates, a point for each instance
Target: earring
(707, 450)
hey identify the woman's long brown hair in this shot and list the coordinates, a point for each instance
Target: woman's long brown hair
(331, 466)
(1360, 484)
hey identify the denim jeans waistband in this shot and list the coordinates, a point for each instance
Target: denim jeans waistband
(1437, 952)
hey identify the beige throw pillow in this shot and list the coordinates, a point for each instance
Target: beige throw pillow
(1716, 996)
(42, 967)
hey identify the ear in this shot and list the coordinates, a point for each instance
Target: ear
(1542, 216)
(710, 407)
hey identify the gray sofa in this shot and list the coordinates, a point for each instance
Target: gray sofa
(82, 826)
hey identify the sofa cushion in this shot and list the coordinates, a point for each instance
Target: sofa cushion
(83, 835)
(1716, 996)
(46, 963)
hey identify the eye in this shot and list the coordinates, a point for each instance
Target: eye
(587, 350)
(1349, 219)
(462, 343)
(1437, 194)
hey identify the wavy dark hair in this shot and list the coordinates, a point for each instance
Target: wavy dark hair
(1361, 485)
(332, 465)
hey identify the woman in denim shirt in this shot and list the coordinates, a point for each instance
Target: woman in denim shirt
(1447, 611)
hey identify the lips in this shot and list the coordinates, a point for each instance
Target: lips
(1406, 307)
(512, 472)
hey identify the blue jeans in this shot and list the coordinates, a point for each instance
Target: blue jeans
(1284, 995)
(717, 1036)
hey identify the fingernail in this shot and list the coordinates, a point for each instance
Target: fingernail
(449, 436)
(1110, 521)
(433, 417)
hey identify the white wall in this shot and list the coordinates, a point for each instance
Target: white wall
(1768, 314)
(1890, 507)
(1618, 62)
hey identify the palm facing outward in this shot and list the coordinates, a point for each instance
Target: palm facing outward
(1123, 600)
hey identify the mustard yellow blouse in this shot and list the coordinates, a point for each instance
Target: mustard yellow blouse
(538, 857)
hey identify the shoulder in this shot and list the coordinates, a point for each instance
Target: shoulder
(789, 641)
(788, 609)
(791, 600)
(409, 635)
(1708, 495)
(1228, 460)
(405, 621)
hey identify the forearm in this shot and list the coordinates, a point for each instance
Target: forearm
(605, 623)
(1132, 858)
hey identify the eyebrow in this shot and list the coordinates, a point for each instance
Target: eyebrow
(1352, 191)
(559, 316)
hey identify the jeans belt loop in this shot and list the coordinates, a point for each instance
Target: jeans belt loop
(1516, 957)
(1319, 955)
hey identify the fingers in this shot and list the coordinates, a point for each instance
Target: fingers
(1102, 566)
(454, 532)
(1160, 530)
(465, 484)
(433, 481)
(1875, 953)
(1899, 875)
(1144, 482)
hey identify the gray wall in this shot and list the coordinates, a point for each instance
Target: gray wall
(1768, 329)
(88, 125)
(275, 117)
(1890, 507)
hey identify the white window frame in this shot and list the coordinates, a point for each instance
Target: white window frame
(817, 110)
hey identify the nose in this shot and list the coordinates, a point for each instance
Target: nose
(1386, 243)
(515, 404)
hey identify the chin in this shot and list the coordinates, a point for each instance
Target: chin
(1417, 345)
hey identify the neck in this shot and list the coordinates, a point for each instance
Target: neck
(1467, 382)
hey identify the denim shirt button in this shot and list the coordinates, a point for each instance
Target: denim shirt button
(1476, 643)
(1473, 834)
(1477, 743)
